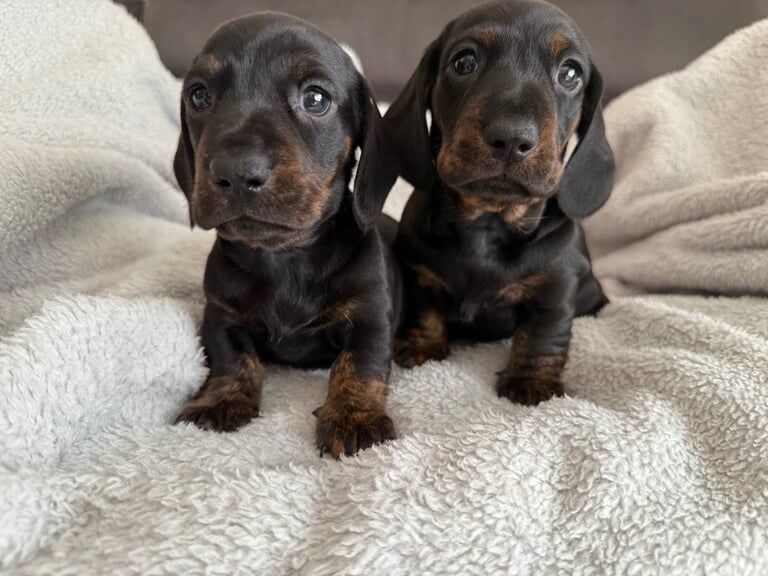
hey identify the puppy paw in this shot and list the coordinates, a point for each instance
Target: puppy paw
(347, 431)
(408, 355)
(528, 392)
(220, 410)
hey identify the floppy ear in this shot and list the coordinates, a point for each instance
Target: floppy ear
(588, 177)
(405, 123)
(376, 171)
(184, 160)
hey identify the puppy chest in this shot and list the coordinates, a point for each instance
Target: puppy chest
(291, 313)
(465, 291)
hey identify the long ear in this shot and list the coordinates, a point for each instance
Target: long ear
(588, 177)
(405, 122)
(376, 171)
(184, 160)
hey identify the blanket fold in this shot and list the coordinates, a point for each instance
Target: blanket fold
(689, 210)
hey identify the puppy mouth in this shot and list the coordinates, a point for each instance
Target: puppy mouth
(212, 211)
(245, 225)
(495, 187)
(240, 224)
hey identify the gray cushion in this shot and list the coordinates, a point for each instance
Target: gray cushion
(632, 40)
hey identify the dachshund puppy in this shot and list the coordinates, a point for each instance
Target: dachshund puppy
(272, 113)
(490, 241)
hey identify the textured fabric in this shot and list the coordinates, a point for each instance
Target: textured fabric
(689, 211)
(655, 462)
(90, 108)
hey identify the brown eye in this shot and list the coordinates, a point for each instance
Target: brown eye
(201, 98)
(569, 75)
(465, 62)
(316, 101)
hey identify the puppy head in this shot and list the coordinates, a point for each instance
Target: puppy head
(272, 111)
(507, 84)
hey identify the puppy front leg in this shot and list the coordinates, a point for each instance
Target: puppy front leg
(540, 347)
(231, 395)
(354, 415)
(425, 334)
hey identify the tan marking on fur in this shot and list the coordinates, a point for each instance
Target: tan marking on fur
(486, 36)
(474, 206)
(245, 381)
(426, 278)
(303, 187)
(338, 312)
(426, 341)
(209, 63)
(250, 369)
(558, 45)
(224, 403)
(299, 192)
(465, 144)
(353, 416)
(346, 385)
(545, 162)
(203, 198)
(301, 67)
(515, 213)
(529, 378)
(544, 370)
(522, 289)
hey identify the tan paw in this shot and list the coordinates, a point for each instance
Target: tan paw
(341, 431)
(222, 411)
(528, 392)
(407, 355)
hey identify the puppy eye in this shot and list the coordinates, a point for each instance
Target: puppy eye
(201, 98)
(316, 101)
(569, 75)
(465, 62)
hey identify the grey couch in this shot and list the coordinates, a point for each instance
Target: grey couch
(633, 40)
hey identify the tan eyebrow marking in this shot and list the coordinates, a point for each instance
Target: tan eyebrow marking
(209, 63)
(486, 36)
(558, 45)
(302, 67)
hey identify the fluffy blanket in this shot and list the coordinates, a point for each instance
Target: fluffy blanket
(656, 461)
(689, 212)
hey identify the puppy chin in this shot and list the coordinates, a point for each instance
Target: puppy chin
(208, 221)
(504, 187)
(262, 235)
(498, 188)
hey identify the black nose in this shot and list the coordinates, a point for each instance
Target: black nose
(512, 140)
(239, 173)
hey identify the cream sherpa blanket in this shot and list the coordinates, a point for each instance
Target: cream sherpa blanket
(655, 462)
(689, 212)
